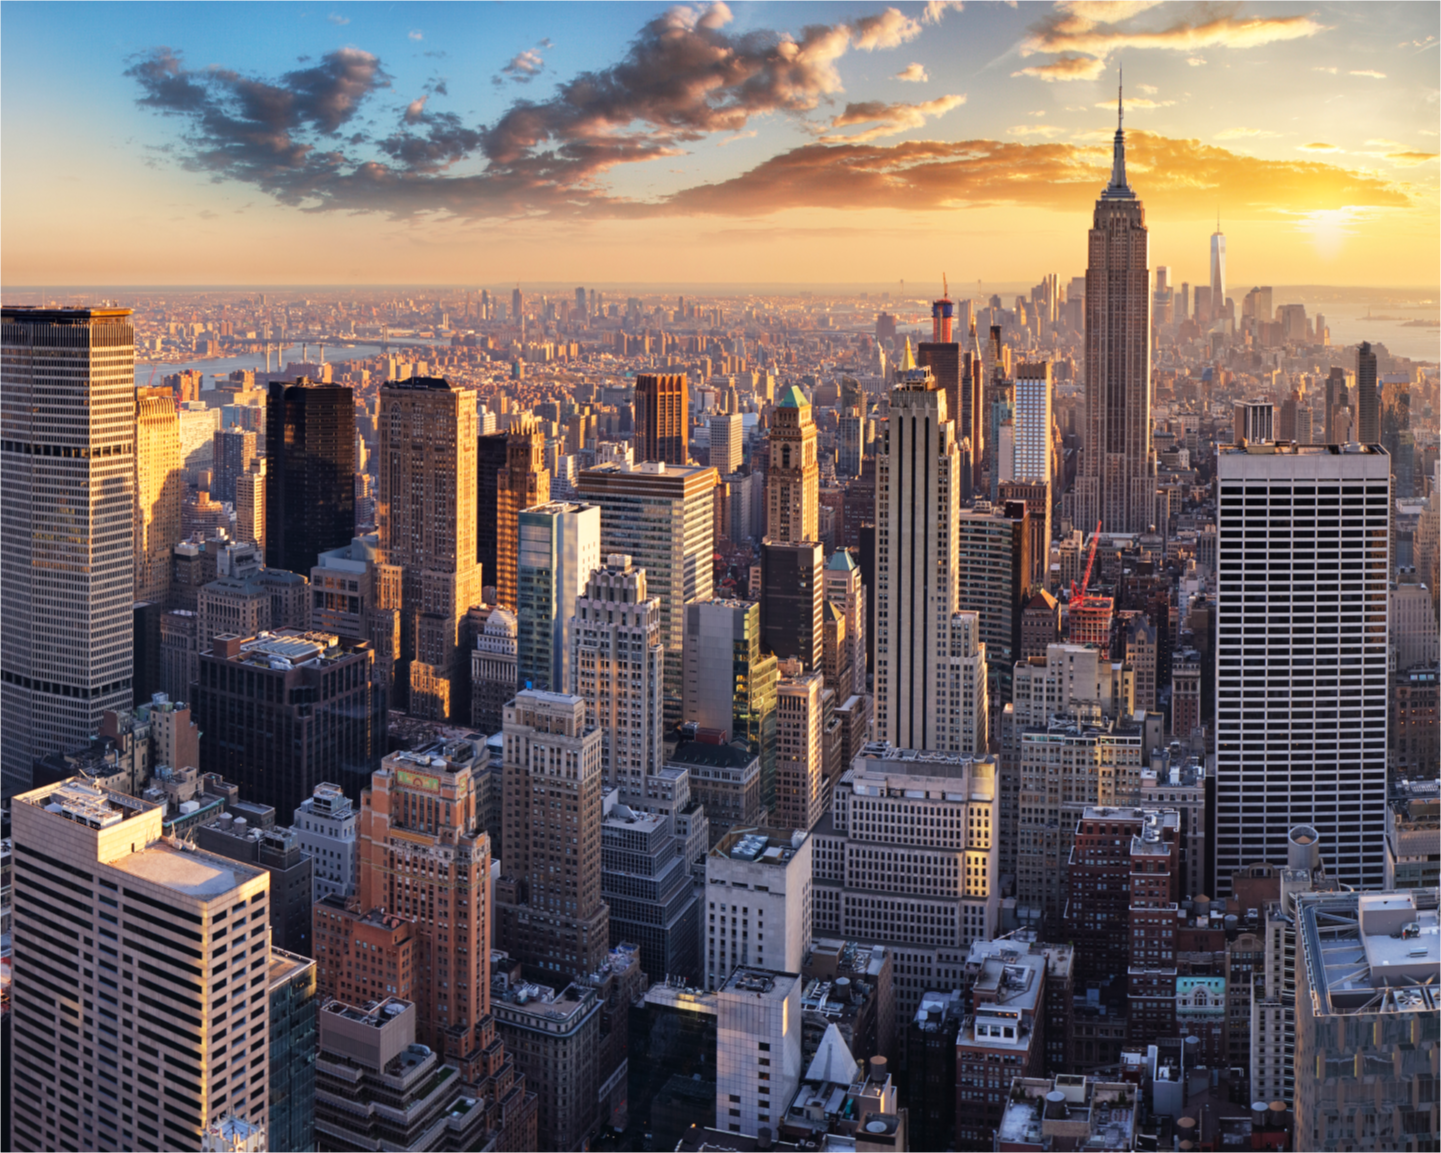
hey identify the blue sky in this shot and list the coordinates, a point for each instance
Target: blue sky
(421, 142)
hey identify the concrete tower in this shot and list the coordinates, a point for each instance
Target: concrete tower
(793, 478)
(159, 491)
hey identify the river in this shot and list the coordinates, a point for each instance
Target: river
(223, 366)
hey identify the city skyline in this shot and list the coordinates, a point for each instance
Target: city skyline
(755, 136)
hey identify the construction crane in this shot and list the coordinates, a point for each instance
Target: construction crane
(1079, 595)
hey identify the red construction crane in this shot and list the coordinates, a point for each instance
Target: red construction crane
(1079, 595)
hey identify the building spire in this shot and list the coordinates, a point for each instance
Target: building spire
(1118, 186)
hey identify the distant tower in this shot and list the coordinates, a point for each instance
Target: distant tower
(793, 477)
(662, 418)
(1368, 423)
(1117, 479)
(1218, 270)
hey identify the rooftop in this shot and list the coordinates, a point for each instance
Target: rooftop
(1371, 952)
(703, 753)
(768, 983)
(189, 871)
(85, 804)
(1070, 1111)
(760, 846)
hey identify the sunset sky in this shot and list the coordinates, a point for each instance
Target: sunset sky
(643, 143)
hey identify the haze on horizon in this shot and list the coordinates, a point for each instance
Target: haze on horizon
(747, 144)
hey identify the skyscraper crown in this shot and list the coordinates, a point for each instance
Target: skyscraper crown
(1118, 189)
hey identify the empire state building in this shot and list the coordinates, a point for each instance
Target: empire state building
(1117, 482)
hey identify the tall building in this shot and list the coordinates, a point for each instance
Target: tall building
(946, 364)
(232, 454)
(1117, 480)
(559, 549)
(310, 472)
(617, 665)
(647, 886)
(793, 475)
(729, 681)
(494, 676)
(1218, 272)
(67, 532)
(282, 712)
(325, 826)
(491, 460)
(1368, 397)
(92, 866)
(1337, 397)
(549, 912)
(250, 504)
(759, 902)
(758, 1049)
(992, 569)
(793, 599)
(727, 442)
(662, 418)
(523, 483)
(1035, 464)
(159, 491)
(1365, 966)
(846, 591)
(800, 776)
(963, 690)
(426, 517)
(916, 538)
(1301, 656)
(663, 517)
(907, 858)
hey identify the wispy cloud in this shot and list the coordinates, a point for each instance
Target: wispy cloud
(337, 19)
(1065, 68)
(1319, 146)
(1243, 133)
(416, 34)
(1331, 68)
(1078, 26)
(935, 9)
(888, 119)
(525, 66)
(1138, 102)
(1042, 130)
(1410, 159)
(1371, 72)
(1195, 61)
(912, 74)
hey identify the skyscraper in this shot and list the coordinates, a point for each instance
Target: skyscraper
(549, 912)
(523, 483)
(662, 418)
(617, 666)
(492, 458)
(310, 472)
(662, 517)
(94, 876)
(793, 600)
(426, 517)
(1117, 480)
(1218, 271)
(1337, 398)
(800, 777)
(793, 475)
(916, 536)
(234, 449)
(1368, 398)
(993, 580)
(67, 529)
(727, 442)
(1301, 668)
(559, 549)
(159, 491)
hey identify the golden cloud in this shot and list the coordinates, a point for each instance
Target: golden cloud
(912, 74)
(1173, 176)
(1065, 68)
(1069, 31)
(888, 118)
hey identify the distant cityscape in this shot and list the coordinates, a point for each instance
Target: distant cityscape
(460, 719)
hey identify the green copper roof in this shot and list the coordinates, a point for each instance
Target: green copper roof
(842, 561)
(793, 397)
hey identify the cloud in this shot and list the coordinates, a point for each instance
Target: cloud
(338, 20)
(935, 9)
(1319, 146)
(746, 135)
(1079, 26)
(525, 66)
(1409, 159)
(912, 74)
(1148, 89)
(415, 34)
(1138, 102)
(684, 76)
(889, 118)
(1035, 130)
(1195, 61)
(1368, 72)
(1181, 177)
(1243, 133)
(1331, 68)
(1065, 68)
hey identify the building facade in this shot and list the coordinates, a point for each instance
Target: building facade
(559, 550)
(310, 472)
(67, 535)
